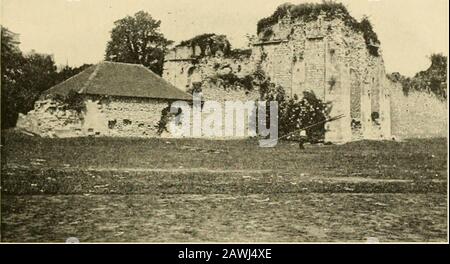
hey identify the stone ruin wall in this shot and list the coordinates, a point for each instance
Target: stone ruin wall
(51, 119)
(183, 69)
(323, 56)
(418, 114)
(219, 94)
(176, 73)
(331, 60)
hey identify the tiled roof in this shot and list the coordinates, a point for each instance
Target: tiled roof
(119, 79)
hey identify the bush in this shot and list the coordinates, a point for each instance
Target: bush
(72, 101)
(239, 53)
(295, 114)
(209, 41)
(215, 43)
(232, 80)
(370, 37)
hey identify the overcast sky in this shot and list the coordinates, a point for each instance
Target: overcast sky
(76, 31)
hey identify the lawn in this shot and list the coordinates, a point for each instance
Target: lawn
(192, 190)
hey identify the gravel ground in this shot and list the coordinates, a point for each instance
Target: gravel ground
(225, 218)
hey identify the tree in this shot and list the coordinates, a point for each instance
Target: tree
(137, 39)
(67, 72)
(38, 74)
(11, 59)
(23, 78)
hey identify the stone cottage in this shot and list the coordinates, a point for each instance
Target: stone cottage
(120, 99)
(318, 48)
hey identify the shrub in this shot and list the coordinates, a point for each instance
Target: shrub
(232, 80)
(370, 37)
(161, 126)
(263, 56)
(295, 114)
(239, 53)
(268, 32)
(72, 101)
(215, 43)
(212, 41)
(247, 82)
(259, 75)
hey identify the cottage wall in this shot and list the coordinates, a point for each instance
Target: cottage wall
(127, 117)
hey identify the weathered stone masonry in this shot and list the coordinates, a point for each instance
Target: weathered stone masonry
(132, 117)
(184, 66)
(120, 99)
(331, 60)
(323, 56)
(127, 117)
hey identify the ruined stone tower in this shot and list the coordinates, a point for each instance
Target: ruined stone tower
(321, 48)
(318, 48)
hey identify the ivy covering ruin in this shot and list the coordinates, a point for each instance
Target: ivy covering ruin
(432, 80)
(71, 101)
(211, 44)
(310, 12)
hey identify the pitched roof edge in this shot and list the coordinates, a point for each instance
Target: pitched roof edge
(49, 90)
(86, 85)
(90, 78)
(164, 80)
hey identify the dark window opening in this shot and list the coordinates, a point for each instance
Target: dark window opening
(356, 124)
(127, 122)
(112, 123)
(375, 117)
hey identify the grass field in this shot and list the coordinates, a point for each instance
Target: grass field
(191, 190)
